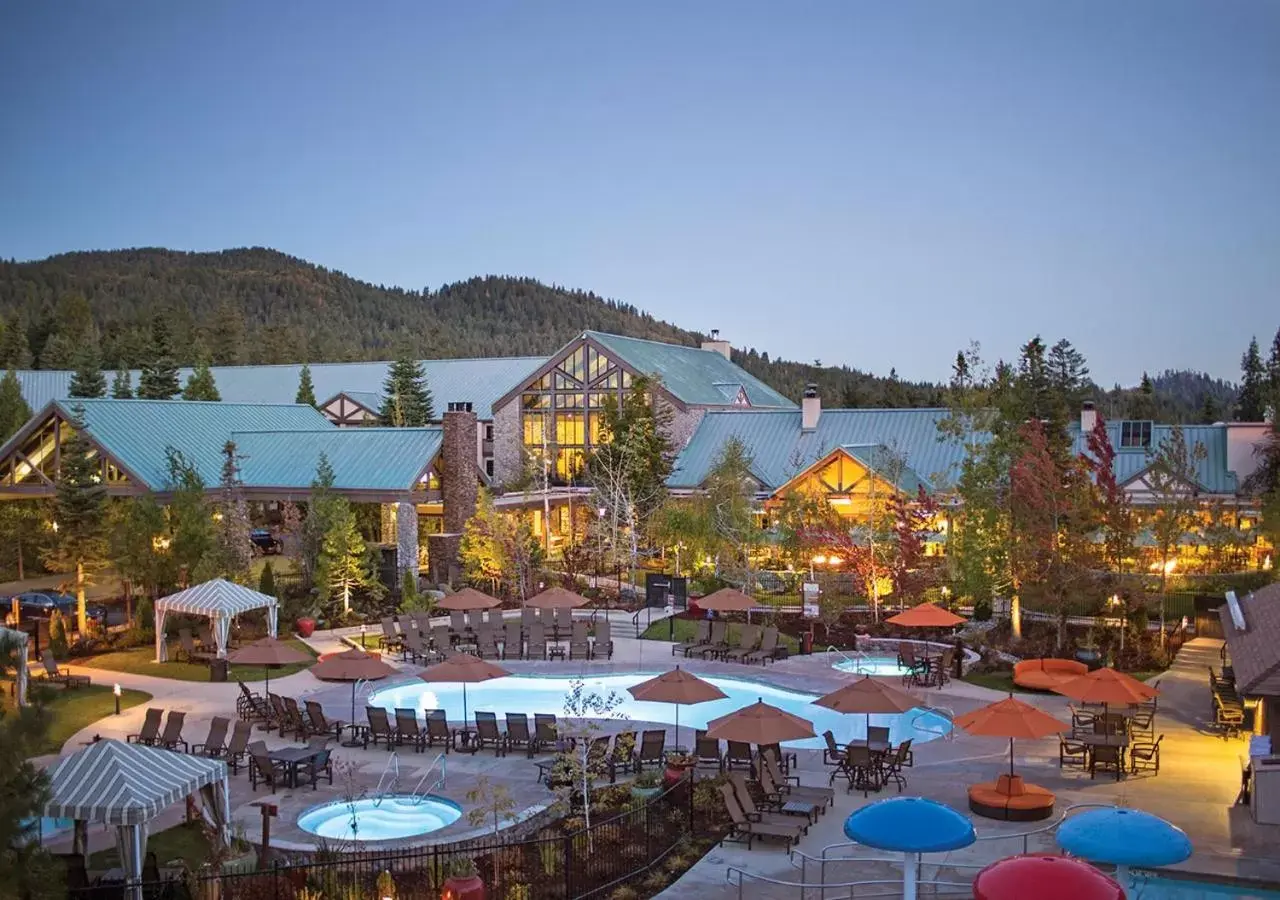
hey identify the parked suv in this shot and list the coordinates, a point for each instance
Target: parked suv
(265, 542)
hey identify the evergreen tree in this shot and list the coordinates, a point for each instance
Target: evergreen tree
(1209, 412)
(1144, 404)
(231, 555)
(88, 380)
(267, 580)
(121, 387)
(306, 391)
(59, 352)
(14, 411)
(321, 510)
(80, 513)
(200, 385)
(1273, 376)
(346, 563)
(159, 379)
(1252, 403)
(15, 352)
(406, 400)
(190, 522)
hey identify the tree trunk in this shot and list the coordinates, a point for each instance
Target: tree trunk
(22, 574)
(82, 613)
(1015, 616)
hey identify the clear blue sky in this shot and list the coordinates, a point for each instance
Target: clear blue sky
(868, 184)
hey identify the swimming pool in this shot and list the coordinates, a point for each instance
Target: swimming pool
(546, 694)
(384, 819)
(871, 665)
(44, 828)
(1158, 887)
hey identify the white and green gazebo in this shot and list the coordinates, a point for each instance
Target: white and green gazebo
(220, 600)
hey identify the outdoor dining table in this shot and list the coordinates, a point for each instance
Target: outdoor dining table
(1102, 740)
(292, 757)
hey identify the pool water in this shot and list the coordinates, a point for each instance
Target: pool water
(546, 694)
(45, 828)
(872, 665)
(1155, 887)
(368, 819)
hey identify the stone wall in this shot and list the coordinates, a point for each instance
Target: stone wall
(458, 485)
(407, 538)
(683, 424)
(508, 440)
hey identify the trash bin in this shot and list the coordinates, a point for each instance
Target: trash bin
(806, 642)
(218, 670)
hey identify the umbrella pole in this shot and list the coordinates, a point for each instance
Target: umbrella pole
(464, 705)
(1010, 759)
(677, 706)
(910, 875)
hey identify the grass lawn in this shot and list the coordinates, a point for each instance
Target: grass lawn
(181, 842)
(141, 661)
(71, 710)
(1003, 681)
(687, 630)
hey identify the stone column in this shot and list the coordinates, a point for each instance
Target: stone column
(406, 521)
(459, 489)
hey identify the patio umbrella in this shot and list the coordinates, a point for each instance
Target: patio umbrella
(728, 600)
(1108, 687)
(1124, 838)
(868, 695)
(1010, 718)
(354, 666)
(269, 653)
(558, 598)
(677, 687)
(468, 599)
(759, 723)
(464, 669)
(926, 615)
(1046, 877)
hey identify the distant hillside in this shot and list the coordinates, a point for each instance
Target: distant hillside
(262, 306)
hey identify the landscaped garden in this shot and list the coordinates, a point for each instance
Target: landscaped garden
(141, 661)
(71, 709)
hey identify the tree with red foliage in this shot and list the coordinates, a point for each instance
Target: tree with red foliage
(912, 521)
(1113, 509)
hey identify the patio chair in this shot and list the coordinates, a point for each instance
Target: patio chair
(187, 645)
(940, 672)
(622, 756)
(743, 828)
(379, 728)
(438, 729)
(861, 769)
(150, 729)
(441, 641)
(407, 623)
(251, 706)
(603, 640)
(832, 754)
(653, 744)
(317, 767)
(906, 655)
(262, 768)
(486, 643)
(1142, 722)
(892, 764)
(322, 724)
(475, 619)
(1081, 719)
(1145, 755)
(748, 642)
(1110, 723)
(512, 642)
(518, 736)
(295, 720)
(537, 642)
(408, 730)
(457, 623)
(215, 744)
(702, 638)
(204, 634)
(412, 647)
(60, 676)
(390, 638)
(171, 737)
(768, 651)
(773, 781)
(787, 759)
(737, 755)
(1107, 759)
(487, 733)
(1072, 753)
(707, 750)
(1228, 716)
(766, 810)
(238, 747)
(546, 731)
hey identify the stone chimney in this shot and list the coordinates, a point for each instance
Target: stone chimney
(1088, 417)
(716, 345)
(810, 408)
(458, 489)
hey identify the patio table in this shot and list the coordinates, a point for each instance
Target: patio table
(292, 757)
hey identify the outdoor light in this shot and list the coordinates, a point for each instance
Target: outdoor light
(55, 527)
(946, 592)
(1266, 563)
(833, 560)
(819, 559)
(1114, 599)
(601, 511)
(115, 690)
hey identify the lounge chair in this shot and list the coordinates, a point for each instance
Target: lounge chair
(412, 647)
(188, 646)
(537, 642)
(475, 620)
(171, 737)
(262, 769)
(528, 617)
(279, 712)
(786, 758)
(512, 642)
(603, 641)
(216, 743)
(322, 724)
(744, 829)
(1072, 752)
(295, 719)
(707, 750)
(718, 643)
(487, 733)
(390, 638)
(652, 748)
(518, 736)
(748, 642)
(250, 706)
(150, 729)
(1145, 755)
(238, 747)
(441, 641)
(563, 621)
(486, 643)
(702, 639)
(60, 676)
(379, 728)
(768, 651)
(438, 729)
(622, 756)
(737, 755)
(407, 624)
(767, 810)
(579, 642)
(773, 781)
(545, 730)
(408, 730)
(457, 623)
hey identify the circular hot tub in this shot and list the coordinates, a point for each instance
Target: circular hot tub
(383, 818)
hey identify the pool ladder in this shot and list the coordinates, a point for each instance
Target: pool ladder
(946, 712)
(419, 795)
(858, 659)
(385, 787)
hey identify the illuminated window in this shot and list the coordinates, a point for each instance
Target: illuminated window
(1135, 435)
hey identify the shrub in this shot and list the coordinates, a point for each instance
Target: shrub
(58, 635)
(267, 581)
(982, 611)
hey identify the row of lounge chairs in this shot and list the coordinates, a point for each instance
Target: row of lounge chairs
(755, 644)
(609, 755)
(774, 805)
(54, 675)
(488, 642)
(1228, 709)
(284, 714)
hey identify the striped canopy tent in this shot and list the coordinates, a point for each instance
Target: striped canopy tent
(218, 599)
(127, 785)
(17, 640)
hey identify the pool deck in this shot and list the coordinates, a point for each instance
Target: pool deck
(1196, 787)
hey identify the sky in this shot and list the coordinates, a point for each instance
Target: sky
(869, 184)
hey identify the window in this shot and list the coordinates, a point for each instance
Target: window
(488, 467)
(488, 434)
(1135, 435)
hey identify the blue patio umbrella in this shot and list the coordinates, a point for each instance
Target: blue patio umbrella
(1124, 838)
(911, 826)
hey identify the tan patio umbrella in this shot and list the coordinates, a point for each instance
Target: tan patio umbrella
(1010, 718)
(468, 599)
(269, 653)
(759, 723)
(464, 669)
(727, 600)
(679, 688)
(1106, 686)
(868, 695)
(926, 615)
(558, 598)
(354, 666)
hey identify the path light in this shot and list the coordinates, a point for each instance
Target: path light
(115, 690)
(55, 527)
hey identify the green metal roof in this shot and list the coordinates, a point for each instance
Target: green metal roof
(781, 450)
(369, 459)
(370, 400)
(1213, 474)
(692, 375)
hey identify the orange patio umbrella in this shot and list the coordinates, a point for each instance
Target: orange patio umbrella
(1107, 686)
(868, 695)
(464, 669)
(679, 688)
(354, 666)
(759, 723)
(926, 615)
(269, 653)
(468, 599)
(1010, 718)
(558, 598)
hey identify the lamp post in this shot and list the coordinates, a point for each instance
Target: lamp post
(1115, 602)
(115, 690)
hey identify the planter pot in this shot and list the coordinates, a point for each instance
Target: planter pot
(675, 773)
(306, 627)
(643, 793)
(463, 888)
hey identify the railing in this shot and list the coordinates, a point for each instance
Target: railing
(392, 768)
(858, 659)
(419, 794)
(739, 877)
(947, 734)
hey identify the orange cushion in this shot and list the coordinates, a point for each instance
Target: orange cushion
(1032, 797)
(1044, 674)
(1035, 797)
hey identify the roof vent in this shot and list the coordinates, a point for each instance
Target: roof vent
(1237, 614)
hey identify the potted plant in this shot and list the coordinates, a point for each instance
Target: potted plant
(677, 765)
(463, 882)
(646, 784)
(308, 612)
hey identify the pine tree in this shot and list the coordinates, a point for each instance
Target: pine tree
(306, 391)
(88, 380)
(1143, 404)
(1273, 376)
(80, 513)
(14, 411)
(231, 555)
(200, 385)
(267, 580)
(345, 563)
(159, 379)
(406, 401)
(1252, 403)
(59, 352)
(15, 352)
(121, 387)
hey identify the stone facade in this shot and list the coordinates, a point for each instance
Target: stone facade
(458, 484)
(442, 551)
(508, 441)
(683, 424)
(406, 538)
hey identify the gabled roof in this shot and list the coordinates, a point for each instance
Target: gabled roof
(370, 400)
(692, 375)
(874, 457)
(1255, 652)
(780, 449)
(1213, 473)
(369, 459)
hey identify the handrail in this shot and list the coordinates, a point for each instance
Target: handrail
(945, 711)
(962, 888)
(419, 795)
(392, 764)
(855, 659)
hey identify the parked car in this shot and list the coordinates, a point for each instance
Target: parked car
(266, 542)
(42, 604)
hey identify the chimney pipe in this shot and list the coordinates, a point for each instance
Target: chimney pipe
(1088, 417)
(810, 408)
(715, 345)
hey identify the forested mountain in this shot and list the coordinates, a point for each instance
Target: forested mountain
(261, 306)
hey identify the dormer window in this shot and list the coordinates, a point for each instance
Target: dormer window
(1135, 435)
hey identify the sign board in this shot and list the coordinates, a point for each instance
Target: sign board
(811, 610)
(811, 591)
